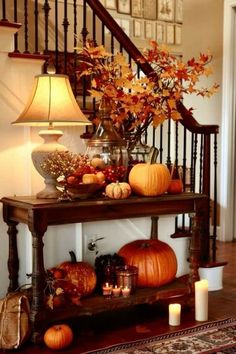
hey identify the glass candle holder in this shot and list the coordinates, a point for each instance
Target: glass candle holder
(126, 291)
(116, 291)
(107, 290)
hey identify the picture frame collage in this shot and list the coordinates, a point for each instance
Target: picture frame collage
(150, 19)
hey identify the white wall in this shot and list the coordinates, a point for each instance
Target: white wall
(203, 31)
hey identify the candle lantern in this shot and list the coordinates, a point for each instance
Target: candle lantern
(127, 277)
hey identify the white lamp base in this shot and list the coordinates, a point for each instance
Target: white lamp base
(40, 154)
(50, 191)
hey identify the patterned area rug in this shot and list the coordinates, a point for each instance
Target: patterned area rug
(217, 337)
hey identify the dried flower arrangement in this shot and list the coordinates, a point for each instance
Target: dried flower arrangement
(138, 102)
(64, 163)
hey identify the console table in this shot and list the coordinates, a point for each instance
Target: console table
(39, 214)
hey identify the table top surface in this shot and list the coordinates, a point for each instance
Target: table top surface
(29, 202)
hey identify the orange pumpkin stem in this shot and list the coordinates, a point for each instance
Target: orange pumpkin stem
(73, 257)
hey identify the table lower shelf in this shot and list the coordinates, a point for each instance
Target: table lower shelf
(97, 304)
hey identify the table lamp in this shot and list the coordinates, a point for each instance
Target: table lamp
(52, 103)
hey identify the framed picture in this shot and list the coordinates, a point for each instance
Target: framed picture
(165, 10)
(110, 4)
(137, 28)
(123, 6)
(179, 11)
(149, 30)
(178, 34)
(160, 32)
(150, 9)
(137, 8)
(170, 33)
(125, 25)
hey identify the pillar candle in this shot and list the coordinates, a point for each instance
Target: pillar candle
(174, 314)
(201, 300)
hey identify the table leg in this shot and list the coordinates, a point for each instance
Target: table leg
(37, 225)
(199, 244)
(38, 286)
(13, 260)
(194, 251)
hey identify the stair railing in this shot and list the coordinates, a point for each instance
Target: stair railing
(92, 20)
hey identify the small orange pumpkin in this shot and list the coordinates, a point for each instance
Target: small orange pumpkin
(58, 336)
(176, 186)
(149, 179)
(118, 190)
(155, 260)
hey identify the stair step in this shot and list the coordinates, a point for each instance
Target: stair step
(181, 233)
(7, 31)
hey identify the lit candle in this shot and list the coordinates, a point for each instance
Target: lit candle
(116, 291)
(174, 314)
(201, 300)
(107, 290)
(126, 291)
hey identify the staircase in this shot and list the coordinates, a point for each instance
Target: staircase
(46, 32)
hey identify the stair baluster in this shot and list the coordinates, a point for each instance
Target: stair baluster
(4, 11)
(26, 26)
(16, 50)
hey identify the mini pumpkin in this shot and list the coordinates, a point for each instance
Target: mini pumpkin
(176, 186)
(58, 336)
(148, 179)
(118, 190)
(155, 260)
(81, 274)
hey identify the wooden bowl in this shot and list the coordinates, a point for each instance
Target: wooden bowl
(84, 191)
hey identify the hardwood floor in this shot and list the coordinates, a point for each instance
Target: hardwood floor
(145, 322)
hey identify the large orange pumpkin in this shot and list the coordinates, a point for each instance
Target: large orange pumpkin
(149, 179)
(81, 274)
(58, 336)
(155, 260)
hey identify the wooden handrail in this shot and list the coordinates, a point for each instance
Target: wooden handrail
(192, 125)
(119, 34)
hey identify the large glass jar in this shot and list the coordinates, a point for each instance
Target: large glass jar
(106, 149)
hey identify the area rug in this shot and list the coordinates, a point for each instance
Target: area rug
(217, 337)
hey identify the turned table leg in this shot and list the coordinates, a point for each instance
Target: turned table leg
(199, 245)
(37, 226)
(13, 260)
(194, 251)
(38, 286)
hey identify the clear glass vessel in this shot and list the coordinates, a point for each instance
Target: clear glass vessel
(106, 149)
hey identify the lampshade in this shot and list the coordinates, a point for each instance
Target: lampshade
(52, 102)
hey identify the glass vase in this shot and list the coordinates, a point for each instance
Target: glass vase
(106, 150)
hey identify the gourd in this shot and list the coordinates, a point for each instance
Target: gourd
(149, 179)
(81, 274)
(155, 260)
(58, 336)
(118, 190)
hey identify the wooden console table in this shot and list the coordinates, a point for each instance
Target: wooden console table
(38, 214)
